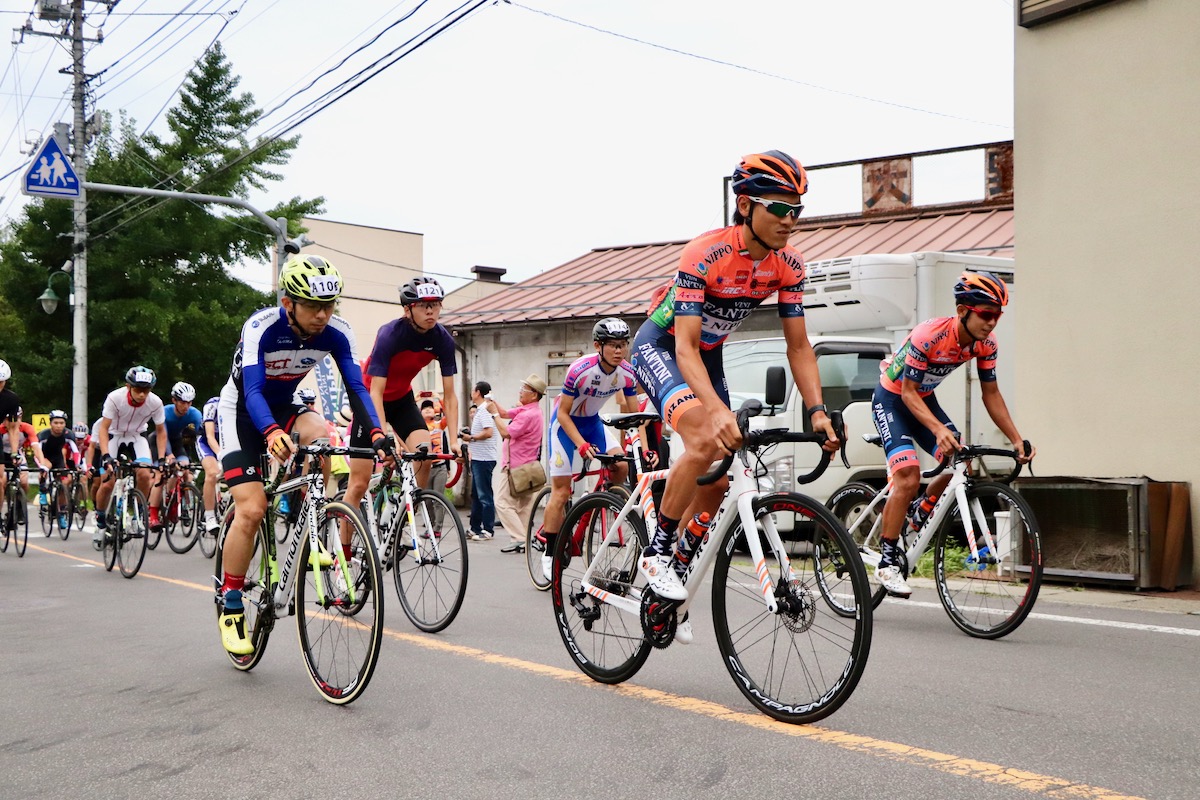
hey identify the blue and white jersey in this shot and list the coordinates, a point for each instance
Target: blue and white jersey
(210, 415)
(590, 386)
(271, 360)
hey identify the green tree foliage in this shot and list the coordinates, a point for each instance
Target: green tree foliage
(159, 291)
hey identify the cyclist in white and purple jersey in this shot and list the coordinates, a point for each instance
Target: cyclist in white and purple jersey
(257, 412)
(575, 426)
(208, 445)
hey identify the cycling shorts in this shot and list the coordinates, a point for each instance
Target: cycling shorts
(203, 449)
(658, 373)
(132, 444)
(242, 443)
(900, 429)
(402, 414)
(564, 455)
(183, 452)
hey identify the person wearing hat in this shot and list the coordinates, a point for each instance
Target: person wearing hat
(521, 429)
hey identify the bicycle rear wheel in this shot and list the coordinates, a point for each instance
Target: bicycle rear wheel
(181, 533)
(606, 642)
(431, 581)
(340, 623)
(9, 526)
(79, 505)
(847, 504)
(535, 543)
(131, 548)
(110, 535)
(20, 522)
(256, 593)
(801, 663)
(989, 597)
(45, 512)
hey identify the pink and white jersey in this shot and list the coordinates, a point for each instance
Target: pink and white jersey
(127, 419)
(590, 386)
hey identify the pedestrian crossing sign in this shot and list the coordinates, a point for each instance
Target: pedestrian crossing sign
(51, 174)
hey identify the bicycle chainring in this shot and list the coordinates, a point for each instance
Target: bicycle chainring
(658, 620)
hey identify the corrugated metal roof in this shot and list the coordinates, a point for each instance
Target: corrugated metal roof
(618, 281)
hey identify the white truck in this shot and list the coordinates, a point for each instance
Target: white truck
(859, 310)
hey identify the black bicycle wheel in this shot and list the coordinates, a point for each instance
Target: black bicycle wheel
(131, 548)
(989, 596)
(535, 544)
(429, 563)
(60, 509)
(800, 663)
(79, 504)
(10, 519)
(206, 539)
(256, 593)
(340, 649)
(20, 521)
(111, 535)
(604, 640)
(181, 531)
(848, 504)
(286, 521)
(46, 515)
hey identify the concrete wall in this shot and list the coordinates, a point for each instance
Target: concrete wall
(1107, 213)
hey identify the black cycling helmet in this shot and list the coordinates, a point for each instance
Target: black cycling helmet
(421, 290)
(610, 329)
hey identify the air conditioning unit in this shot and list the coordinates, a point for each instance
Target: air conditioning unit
(859, 293)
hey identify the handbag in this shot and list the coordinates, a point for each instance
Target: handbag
(526, 478)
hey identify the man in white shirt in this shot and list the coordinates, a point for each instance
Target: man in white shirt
(484, 451)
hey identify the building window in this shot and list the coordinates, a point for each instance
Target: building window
(1035, 12)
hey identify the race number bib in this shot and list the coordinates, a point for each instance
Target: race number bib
(324, 285)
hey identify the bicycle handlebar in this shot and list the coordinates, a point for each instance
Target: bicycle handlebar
(754, 440)
(976, 451)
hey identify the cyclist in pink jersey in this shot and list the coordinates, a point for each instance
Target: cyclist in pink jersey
(723, 276)
(907, 412)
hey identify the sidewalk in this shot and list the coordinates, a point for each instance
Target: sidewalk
(1184, 601)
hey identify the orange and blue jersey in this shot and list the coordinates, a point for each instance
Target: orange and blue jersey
(719, 282)
(931, 352)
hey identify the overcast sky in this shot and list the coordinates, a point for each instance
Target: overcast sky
(529, 133)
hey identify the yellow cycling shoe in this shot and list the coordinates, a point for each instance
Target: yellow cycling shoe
(233, 633)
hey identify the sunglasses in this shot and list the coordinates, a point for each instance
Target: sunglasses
(779, 208)
(986, 314)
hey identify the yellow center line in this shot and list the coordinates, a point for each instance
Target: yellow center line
(1032, 782)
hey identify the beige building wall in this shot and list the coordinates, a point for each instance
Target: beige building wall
(1108, 233)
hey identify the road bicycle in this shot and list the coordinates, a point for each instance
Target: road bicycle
(421, 539)
(790, 656)
(986, 558)
(337, 601)
(16, 518)
(127, 519)
(56, 505)
(182, 509)
(535, 538)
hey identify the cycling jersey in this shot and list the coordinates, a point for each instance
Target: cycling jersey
(57, 449)
(271, 360)
(126, 419)
(590, 386)
(719, 282)
(400, 352)
(26, 436)
(209, 415)
(931, 352)
(184, 428)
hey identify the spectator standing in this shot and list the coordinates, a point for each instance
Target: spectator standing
(521, 429)
(484, 452)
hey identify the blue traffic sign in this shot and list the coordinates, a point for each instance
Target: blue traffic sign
(51, 173)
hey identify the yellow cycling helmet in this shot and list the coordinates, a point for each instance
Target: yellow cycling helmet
(310, 278)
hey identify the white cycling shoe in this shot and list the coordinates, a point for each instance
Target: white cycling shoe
(683, 632)
(548, 567)
(893, 582)
(660, 574)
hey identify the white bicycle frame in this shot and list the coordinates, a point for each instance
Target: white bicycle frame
(284, 575)
(743, 491)
(997, 545)
(408, 489)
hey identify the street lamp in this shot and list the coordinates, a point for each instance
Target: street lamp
(49, 298)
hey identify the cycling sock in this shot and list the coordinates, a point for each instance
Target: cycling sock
(551, 538)
(888, 551)
(347, 552)
(693, 533)
(664, 535)
(233, 583)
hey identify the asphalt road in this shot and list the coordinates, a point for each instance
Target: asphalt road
(119, 688)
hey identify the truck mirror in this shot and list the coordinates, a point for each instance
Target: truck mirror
(776, 393)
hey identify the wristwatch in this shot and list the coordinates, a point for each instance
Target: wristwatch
(817, 408)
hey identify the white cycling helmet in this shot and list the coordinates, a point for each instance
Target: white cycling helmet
(5, 371)
(80, 429)
(183, 391)
(58, 414)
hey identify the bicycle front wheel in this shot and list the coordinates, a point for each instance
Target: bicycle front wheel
(257, 593)
(990, 595)
(535, 542)
(10, 518)
(79, 507)
(340, 622)
(131, 548)
(431, 580)
(800, 663)
(181, 532)
(20, 523)
(110, 536)
(605, 641)
(46, 515)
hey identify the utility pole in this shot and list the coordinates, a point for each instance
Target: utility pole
(79, 337)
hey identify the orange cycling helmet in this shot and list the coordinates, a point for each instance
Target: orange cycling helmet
(980, 287)
(772, 172)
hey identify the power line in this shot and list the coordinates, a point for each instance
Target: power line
(764, 73)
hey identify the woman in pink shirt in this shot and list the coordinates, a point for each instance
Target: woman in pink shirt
(521, 428)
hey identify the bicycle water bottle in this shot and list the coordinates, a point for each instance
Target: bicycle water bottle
(388, 511)
(693, 533)
(920, 510)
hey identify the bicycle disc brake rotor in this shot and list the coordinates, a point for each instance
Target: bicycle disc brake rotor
(797, 606)
(658, 620)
